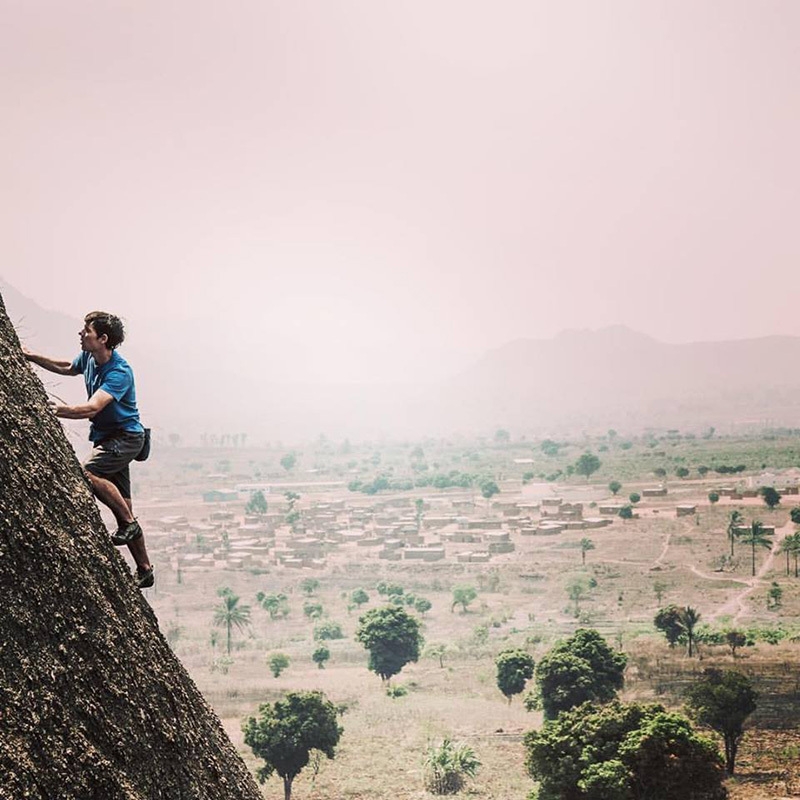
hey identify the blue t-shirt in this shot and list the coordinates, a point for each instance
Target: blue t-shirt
(116, 378)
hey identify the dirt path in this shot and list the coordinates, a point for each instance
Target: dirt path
(736, 606)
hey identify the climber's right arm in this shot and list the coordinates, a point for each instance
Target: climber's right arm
(50, 364)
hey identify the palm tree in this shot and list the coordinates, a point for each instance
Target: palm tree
(734, 522)
(756, 536)
(791, 546)
(689, 619)
(229, 613)
(586, 545)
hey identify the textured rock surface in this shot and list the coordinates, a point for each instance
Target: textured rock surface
(93, 704)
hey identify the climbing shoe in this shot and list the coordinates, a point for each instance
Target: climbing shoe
(127, 533)
(145, 577)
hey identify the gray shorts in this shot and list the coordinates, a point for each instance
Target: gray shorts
(110, 459)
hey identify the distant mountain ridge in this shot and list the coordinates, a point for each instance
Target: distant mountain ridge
(613, 377)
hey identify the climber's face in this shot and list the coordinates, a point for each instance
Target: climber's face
(90, 341)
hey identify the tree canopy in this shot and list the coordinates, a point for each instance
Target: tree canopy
(623, 752)
(578, 669)
(392, 637)
(285, 733)
(723, 700)
(587, 464)
(514, 668)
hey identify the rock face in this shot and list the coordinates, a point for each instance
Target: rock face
(93, 703)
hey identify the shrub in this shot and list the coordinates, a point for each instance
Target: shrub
(447, 767)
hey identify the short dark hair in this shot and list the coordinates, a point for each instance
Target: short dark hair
(106, 324)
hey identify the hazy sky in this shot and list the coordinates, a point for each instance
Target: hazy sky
(369, 188)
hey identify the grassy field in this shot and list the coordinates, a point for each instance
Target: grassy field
(522, 601)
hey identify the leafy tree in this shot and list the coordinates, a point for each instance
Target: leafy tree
(285, 733)
(392, 637)
(682, 472)
(577, 589)
(587, 465)
(422, 605)
(771, 496)
(278, 662)
(276, 605)
(623, 752)
(328, 630)
(756, 536)
(659, 587)
(734, 522)
(634, 497)
(586, 545)
(794, 514)
(668, 621)
(312, 610)
(660, 472)
(614, 487)
(514, 668)
(580, 668)
(359, 597)
(489, 489)
(702, 470)
(289, 461)
(257, 504)
(626, 513)
(689, 619)
(320, 656)
(735, 640)
(447, 765)
(774, 595)
(502, 436)
(713, 497)
(463, 596)
(791, 546)
(309, 585)
(229, 614)
(436, 651)
(723, 700)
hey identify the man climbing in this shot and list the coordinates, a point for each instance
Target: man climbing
(116, 432)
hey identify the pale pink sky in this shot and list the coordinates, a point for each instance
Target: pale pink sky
(372, 188)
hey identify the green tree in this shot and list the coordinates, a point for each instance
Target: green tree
(288, 461)
(419, 507)
(320, 656)
(682, 472)
(794, 515)
(422, 605)
(577, 589)
(774, 595)
(660, 472)
(735, 640)
(587, 465)
(276, 605)
(309, 585)
(285, 733)
(229, 614)
(437, 651)
(257, 504)
(713, 497)
(447, 765)
(580, 668)
(326, 631)
(755, 536)
(463, 596)
(659, 588)
(392, 637)
(614, 487)
(502, 436)
(791, 546)
(488, 489)
(359, 597)
(668, 621)
(723, 700)
(771, 496)
(623, 752)
(514, 668)
(312, 610)
(278, 662)
(626, 513)
(586, 545)
(734, 523)
(634, 497)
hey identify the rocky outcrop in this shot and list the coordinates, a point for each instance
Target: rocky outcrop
(93, 703)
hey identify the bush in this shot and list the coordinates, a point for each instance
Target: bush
(447, 767)
(328, 630)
